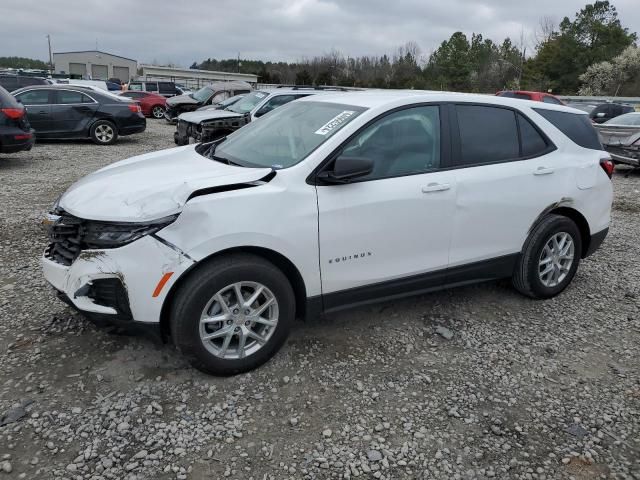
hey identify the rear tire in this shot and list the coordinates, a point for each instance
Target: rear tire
(211, 293)
(103, 132)
(157, 112)
(549, 258)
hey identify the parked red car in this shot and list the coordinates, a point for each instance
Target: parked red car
(152, 104)
(534, 96)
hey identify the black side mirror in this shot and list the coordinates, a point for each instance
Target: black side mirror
(346, 169)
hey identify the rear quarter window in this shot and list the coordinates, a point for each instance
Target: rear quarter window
(576, 126)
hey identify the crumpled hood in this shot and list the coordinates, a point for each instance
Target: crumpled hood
(181, 100)
(150, 186)
(200, 116)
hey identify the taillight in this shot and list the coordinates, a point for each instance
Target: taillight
(608, 166)
(13, 113)
(134, 107)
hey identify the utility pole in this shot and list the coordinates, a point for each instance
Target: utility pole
(50, 56)
(239, 64)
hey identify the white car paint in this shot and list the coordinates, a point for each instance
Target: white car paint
(395, 227)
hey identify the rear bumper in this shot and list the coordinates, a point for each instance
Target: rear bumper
(130, 129)
(15, 141)
(596, 241)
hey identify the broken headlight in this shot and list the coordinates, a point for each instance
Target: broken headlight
(112, 235)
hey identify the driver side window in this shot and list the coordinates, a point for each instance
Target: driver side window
(406, 142)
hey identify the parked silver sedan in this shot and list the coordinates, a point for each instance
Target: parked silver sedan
(621, 138)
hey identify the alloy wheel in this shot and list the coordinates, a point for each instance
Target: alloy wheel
(556, 259)
(239, 320)
(158, 112)
(104, 133)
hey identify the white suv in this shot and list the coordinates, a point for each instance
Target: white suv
(331, 201)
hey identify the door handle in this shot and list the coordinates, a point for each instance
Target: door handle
(543, 171)
(436, 187)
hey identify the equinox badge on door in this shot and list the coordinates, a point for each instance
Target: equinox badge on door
(346, 258)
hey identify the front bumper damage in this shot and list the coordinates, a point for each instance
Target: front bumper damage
(208, 131)
(110, 287)
(622, 154)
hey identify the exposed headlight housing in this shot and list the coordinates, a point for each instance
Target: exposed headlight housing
(97, 234)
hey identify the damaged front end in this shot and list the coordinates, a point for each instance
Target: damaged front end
(208, 130)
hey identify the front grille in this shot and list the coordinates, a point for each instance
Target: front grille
(65, 237)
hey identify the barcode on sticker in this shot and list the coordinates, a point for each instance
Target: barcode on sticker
(334, 123)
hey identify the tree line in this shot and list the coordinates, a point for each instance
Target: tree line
(559, 62)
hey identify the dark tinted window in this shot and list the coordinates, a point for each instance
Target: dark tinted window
(487, 134)
(166, 87)
(27, 81)
(533, 143)
(151, 86)
(66, 97)
(9, 82)
(275, 102)
(34, 97)
(521, 96)
(575, 126)
(402, 143)
(550, 99)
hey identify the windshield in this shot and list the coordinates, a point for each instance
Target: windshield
(248, 103)
(230, 101)
(291, 133)
(202, 95)
(632, 119)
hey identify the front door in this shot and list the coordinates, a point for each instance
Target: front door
(388, 234)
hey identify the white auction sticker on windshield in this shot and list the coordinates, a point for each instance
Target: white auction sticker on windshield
(334, 123)
(261, 95)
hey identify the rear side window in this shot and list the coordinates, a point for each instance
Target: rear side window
(521, 96)
(533, 143)
(9, 82)
(28, 81)
(151, 86)
(487, 134)
(166, 87)
(550, 99)
(575, 126)
(67, 97)
(34, 97)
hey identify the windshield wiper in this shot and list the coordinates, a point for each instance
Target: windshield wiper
(209, 153)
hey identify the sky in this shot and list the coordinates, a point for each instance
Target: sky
(181, 32)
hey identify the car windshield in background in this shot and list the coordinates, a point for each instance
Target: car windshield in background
(202, 95)
(628, 119)
(292, 132)
(248, 103)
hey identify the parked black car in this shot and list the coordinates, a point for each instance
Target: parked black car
(15, 132)
(606, 111)
(13, 82)
(71, 111)
(209, 95)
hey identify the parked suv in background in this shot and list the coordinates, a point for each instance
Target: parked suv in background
(606, 111)
(166, 89)
(533, 96)
(12, 82)
(69, 112)
(335, 200)
(205, 125)
(15, 132)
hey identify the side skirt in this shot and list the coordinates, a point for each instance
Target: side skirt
(486, 270)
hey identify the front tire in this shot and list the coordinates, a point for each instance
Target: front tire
(549, 258)
(103, 132)
(232, 314)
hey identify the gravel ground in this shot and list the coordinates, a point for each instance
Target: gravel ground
(475, 382)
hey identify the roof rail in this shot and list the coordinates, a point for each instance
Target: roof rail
(314, 87)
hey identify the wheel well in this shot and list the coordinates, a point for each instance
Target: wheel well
(279, 260)
(580, 221)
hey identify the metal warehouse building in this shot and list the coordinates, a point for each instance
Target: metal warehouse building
(95, 65)
(192, 78)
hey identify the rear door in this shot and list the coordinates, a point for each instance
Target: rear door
(507, 173)
(38, 106)
(72, 112)
(167, 89)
